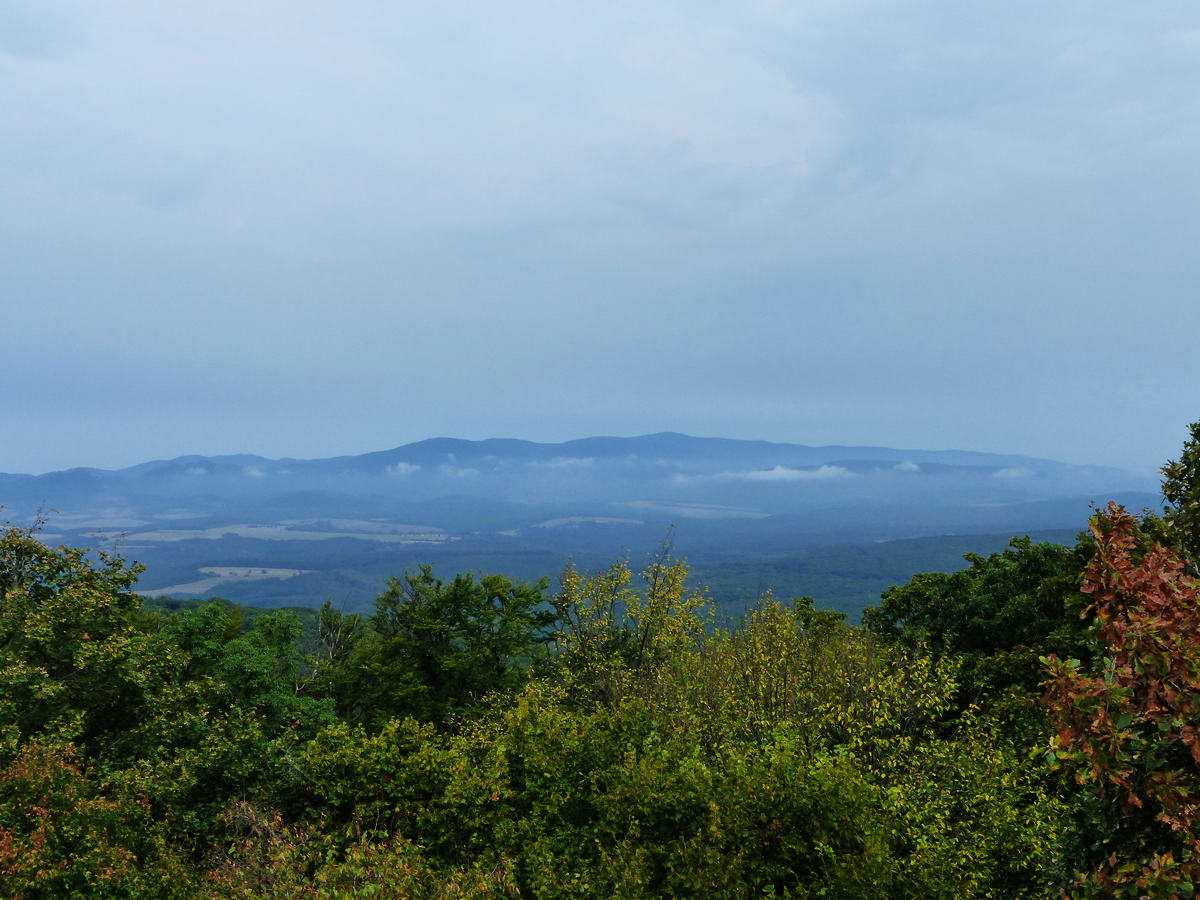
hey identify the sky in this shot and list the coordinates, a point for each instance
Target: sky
(301, 228)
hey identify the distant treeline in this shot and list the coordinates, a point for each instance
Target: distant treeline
(1024, 727)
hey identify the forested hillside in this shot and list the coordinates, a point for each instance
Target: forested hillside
(1025, 727)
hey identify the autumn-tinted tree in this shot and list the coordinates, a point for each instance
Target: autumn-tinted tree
(62, 834)
(1128, 727)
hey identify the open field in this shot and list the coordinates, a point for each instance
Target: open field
(223, 575)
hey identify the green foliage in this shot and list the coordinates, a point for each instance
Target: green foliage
(185, 713)
(795, 755)
(1001, 614)
(476, 737)
(598, 802)
(1181, 490)
(434, 648)
(66, 638)
(793, 664)
(965, 811)
(725, 790)
(63, 835)
(333, 675)
(267, 857)
(612, 637)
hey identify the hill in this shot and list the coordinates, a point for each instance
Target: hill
(337, 527)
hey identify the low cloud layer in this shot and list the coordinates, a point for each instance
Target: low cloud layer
(782, 474)
(402, 469)
(1013, 473)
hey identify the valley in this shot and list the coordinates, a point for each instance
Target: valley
(836, 523)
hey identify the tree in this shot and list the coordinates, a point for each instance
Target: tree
(612, 636)
(1181, 490)
(67, 633)
(339, 637)
(63, 835)
(435, 647)
(1001, 613)
(1128, 728)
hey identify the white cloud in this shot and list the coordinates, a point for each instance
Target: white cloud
(696, 510)
(1013, 473)
(565, 463)
(784, 473)
(402, 469)
(778, 473)
(459, 471)
(907, 466)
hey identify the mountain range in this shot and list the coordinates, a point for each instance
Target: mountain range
(273, 530)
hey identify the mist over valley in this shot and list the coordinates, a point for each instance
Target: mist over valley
(835, 522)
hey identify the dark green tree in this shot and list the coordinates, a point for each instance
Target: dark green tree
(67, 636)
(1001, 613)
(433, 648)
(339, 638)
(1181, 491)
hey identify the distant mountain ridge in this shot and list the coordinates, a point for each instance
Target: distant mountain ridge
(665, 445)
(344, 523)
(606, 474)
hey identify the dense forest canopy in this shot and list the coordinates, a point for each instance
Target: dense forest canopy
(1026, 727)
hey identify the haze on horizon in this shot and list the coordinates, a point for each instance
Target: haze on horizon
(302, 229)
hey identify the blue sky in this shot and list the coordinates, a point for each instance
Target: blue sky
(305, 228)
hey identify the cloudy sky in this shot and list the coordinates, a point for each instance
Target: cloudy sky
(305, 228)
